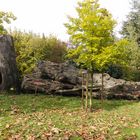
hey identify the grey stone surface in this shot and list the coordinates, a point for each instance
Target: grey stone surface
(8, 69)
(51, 77)
(118, 88)
(64, 78)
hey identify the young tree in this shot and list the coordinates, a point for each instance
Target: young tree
(5, 17)
(91, 32)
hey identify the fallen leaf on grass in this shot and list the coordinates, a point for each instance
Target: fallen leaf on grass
(7, 126)
(15, 137)
(100, 137)
(93, 127)
(31, 138)
(116, 132)
(46, 135)
(55, 130)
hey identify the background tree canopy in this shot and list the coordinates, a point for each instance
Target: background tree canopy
(5, 17)
(131, 31)
(131, 27)
(31, 48)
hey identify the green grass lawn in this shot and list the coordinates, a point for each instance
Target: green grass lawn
(61, 118)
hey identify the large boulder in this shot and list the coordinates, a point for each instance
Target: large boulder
(8, 69)
(62, 72)
(51, 77)
(118, 88)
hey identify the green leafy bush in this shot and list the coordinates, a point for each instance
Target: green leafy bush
(115, 71)
(131, 74)
(31, 48)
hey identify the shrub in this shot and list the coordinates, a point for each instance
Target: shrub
(31, 48)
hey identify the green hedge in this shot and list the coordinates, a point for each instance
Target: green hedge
(127, 73)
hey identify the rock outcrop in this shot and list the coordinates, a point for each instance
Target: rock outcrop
(52, 77)
(8, 69)
(64, 78)
(118, 88)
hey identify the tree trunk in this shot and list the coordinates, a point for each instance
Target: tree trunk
(83, 90)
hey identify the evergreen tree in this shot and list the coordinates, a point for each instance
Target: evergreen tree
(131, 27)
(131, 31)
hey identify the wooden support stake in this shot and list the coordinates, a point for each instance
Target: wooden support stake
(83, 90)
(90, 95)
(102, 88)
(87, 79)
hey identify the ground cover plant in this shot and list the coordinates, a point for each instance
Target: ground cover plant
(42, 117)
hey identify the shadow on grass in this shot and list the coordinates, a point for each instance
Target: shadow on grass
(112, 104)
(28, 103)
